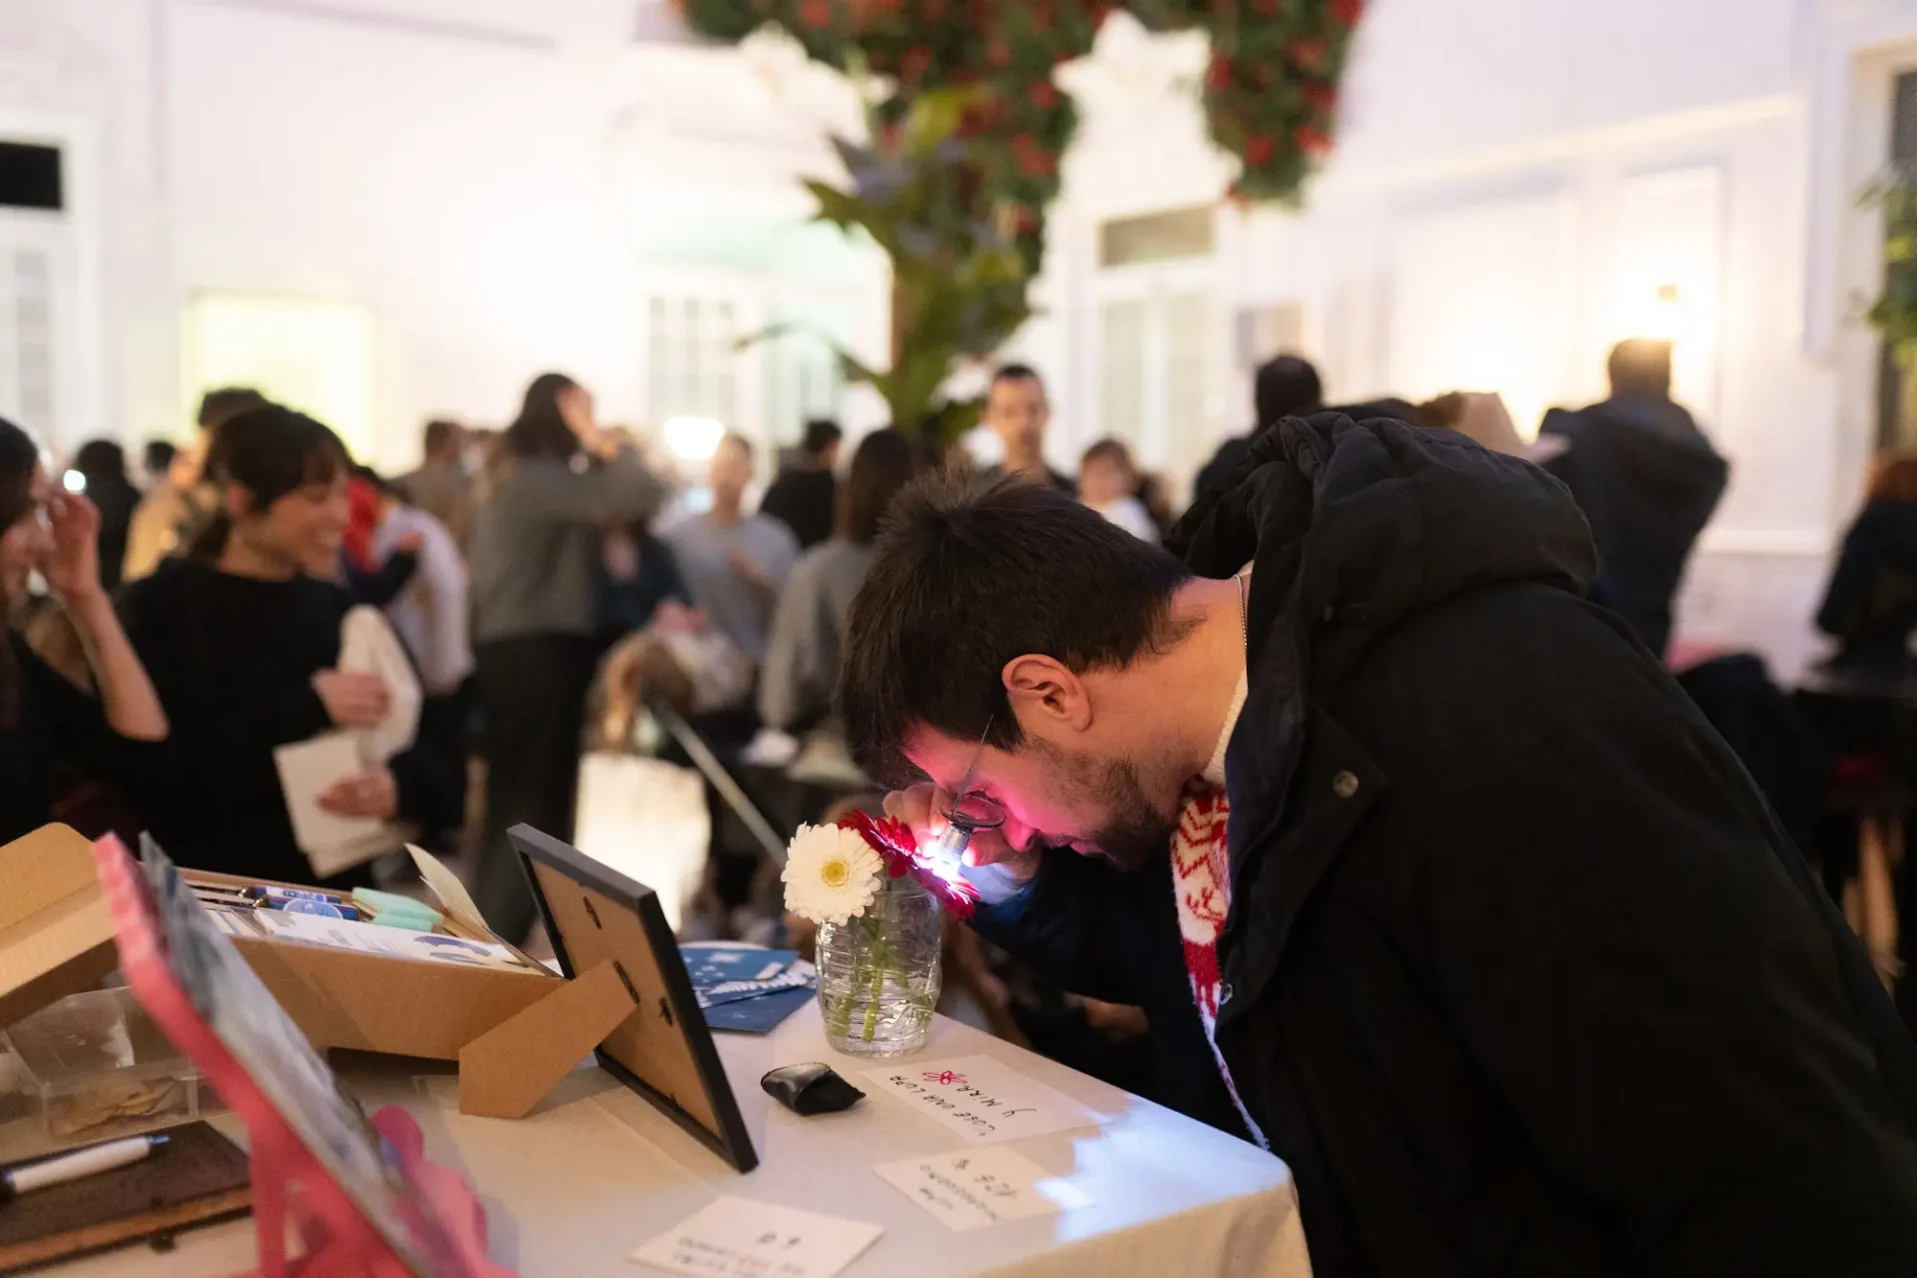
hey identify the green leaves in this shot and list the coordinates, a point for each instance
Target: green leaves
(971, 127)
(1894, 313)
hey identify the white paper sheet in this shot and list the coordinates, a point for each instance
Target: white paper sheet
(735, 1238)
(369, 646)
(979, 1188)
(308, 769)
(370, 938)
(984, 1100)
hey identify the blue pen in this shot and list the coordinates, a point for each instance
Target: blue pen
(259, 892)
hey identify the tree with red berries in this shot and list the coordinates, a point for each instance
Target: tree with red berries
(972, 110)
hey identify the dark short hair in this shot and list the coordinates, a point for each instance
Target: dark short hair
(100, 460)
(1113, 450)
(820, 435)
(269, 453)
(1017, 373)
(881, 468)
(158, 455)
(440, 433)
(19, 459)
(1285, 387)
(968, 575)
(217, 407)
(1641, 366)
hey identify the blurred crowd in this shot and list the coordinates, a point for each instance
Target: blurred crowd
(554, 587)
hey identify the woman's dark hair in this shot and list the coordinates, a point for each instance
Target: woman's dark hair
(269, 452)
(540, 430)
(19, 458)
(100, 460)
(1893, 477)
(884, 464)
(218, 407)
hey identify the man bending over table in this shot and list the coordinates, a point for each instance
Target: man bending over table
(1427, 875)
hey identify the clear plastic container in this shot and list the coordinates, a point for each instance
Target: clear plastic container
(99, 1069)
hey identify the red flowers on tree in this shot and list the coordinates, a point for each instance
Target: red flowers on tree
(1269, 88)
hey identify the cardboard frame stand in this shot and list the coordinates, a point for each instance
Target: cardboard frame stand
(627, 997)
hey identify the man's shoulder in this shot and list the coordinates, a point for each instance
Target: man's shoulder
(1498, 665)
(772, 532)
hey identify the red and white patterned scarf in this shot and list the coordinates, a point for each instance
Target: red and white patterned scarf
(1201, 877)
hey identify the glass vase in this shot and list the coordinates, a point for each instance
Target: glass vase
(879, 973)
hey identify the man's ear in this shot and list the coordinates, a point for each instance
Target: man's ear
(235, 502)
(1044, 693)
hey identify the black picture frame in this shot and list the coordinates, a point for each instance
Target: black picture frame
(730, 1141)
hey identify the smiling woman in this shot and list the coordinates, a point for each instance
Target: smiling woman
(44, 720)
(243, 640)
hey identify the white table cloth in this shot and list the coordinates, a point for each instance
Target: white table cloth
(573, 1189)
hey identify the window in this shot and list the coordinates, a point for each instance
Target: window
(311, 355)
(1156, 237)
(30, 177)
(1121, 332)
(33, 335)
(692, 359)
(1160, 370)
(29, 313)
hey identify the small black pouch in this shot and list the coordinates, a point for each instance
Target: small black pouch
(811, 1089)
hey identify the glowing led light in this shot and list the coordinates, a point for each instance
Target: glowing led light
(74, 482)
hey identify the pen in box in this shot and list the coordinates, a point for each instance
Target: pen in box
(319, 909)
(260, 892)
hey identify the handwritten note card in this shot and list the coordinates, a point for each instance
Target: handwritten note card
(977, 1188)
(734, 1238)
(983, 1100)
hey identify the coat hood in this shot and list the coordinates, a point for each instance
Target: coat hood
(1355, 526)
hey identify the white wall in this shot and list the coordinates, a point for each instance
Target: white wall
(470, 177)
(470, 173)
(1509, 175)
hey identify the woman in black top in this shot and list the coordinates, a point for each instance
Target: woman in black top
(1870, 605)
(242, 639)
(44, 720)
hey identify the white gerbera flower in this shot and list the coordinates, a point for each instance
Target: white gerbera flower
(831, 875)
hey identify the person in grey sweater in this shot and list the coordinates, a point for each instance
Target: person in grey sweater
(736, 564)
(537, 539)
(802, 656)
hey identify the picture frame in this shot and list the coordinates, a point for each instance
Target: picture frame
(665, 1052)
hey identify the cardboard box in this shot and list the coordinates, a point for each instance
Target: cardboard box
(384, 1003)
(56, 933)
(56, 939)
(515, 1031)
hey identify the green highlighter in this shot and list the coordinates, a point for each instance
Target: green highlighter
(389, 909)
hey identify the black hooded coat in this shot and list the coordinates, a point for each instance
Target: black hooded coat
(1521, 976)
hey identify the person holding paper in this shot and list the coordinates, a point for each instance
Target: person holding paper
(44, 720)
(243, 643)
(1422, 867)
